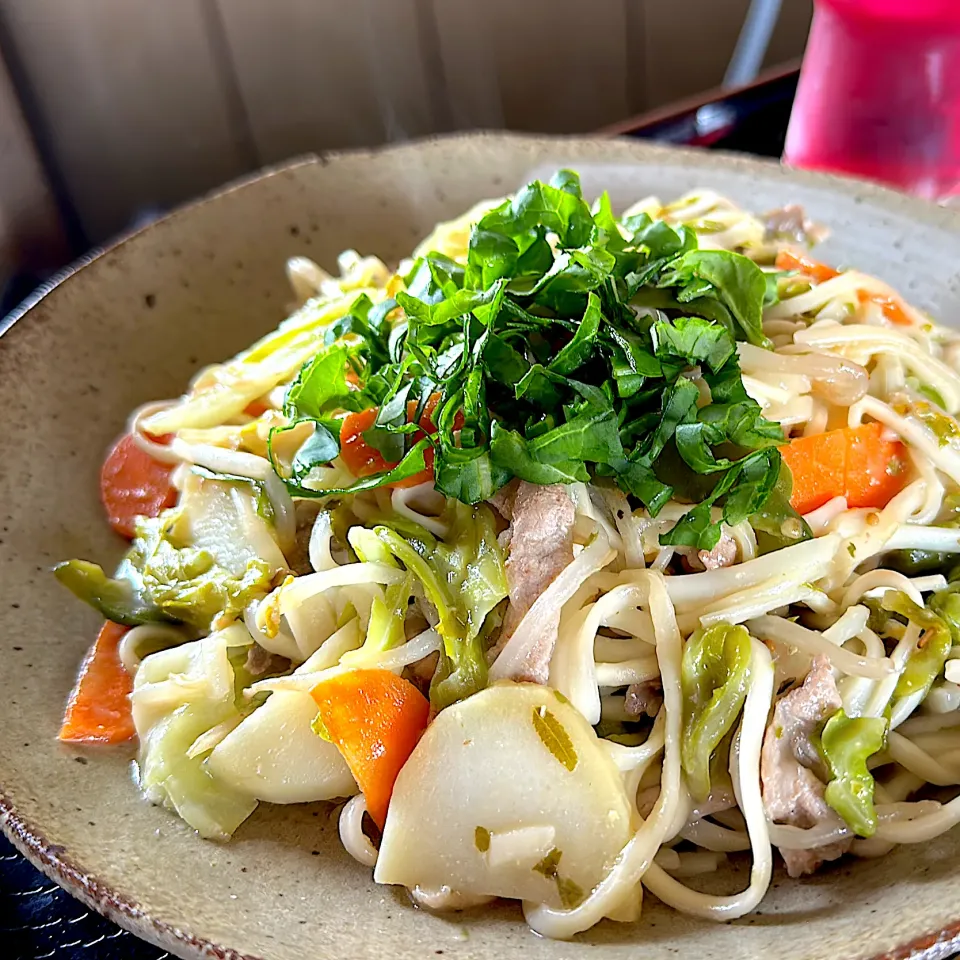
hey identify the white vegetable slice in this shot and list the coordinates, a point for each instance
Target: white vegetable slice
(221, 517)
(510, 794)
(274, 755)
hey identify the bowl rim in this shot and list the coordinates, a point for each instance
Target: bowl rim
(51, 859)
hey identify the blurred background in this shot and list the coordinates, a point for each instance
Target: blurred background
(113, 110)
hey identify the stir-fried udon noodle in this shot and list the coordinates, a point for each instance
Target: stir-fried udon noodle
(577, 555)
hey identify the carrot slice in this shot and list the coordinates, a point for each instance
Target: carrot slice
(814, 269)
(363, 460)
(855, 462)
(876, 468)
(375, 718)
(820, 272)
(98, 710)
(817, 463)
(891, 307)
(133, 484)
(255, 408)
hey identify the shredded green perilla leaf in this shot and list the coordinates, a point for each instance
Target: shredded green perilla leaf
(569, 346)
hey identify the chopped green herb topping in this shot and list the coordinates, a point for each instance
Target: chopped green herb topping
(570, 345)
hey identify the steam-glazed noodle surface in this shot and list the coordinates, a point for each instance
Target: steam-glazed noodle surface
(639, 556)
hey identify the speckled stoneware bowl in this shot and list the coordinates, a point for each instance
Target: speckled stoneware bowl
(133, 325)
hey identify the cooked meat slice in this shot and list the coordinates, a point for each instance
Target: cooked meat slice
(643, 699)
(722, 555)
(504, 498)
(541, 545)
(260, 662)
(791, 223)
(790, 764)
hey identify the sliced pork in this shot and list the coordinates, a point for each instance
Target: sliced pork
(541, 545)
(791, 771)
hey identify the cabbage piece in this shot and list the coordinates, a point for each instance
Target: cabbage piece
(508, 793)
(121, 599)
(201, 562)
(178, 696)
(846, 744)
(714, 676)
(463, 577)
(926, 662)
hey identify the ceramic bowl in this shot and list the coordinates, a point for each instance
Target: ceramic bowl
(133, 325)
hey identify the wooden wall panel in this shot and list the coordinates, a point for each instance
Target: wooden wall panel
(31, 234)
(339, 73)
(132, 99)
(552, 66)
(790, 36)
(150, 102)
(689, 42)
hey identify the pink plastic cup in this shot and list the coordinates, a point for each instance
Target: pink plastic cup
(879, 94)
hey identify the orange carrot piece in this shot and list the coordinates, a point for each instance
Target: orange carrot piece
(375, 718)
(876, 467)
(98, 710)
(133, 484)
(817, 463)
(891, 307)
(820, 272)
(855, 462)
(362, 460)
(255, 408)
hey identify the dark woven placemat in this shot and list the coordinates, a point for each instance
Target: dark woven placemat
(40, 921)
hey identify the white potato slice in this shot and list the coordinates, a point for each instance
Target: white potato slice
(275, 756)
(508, 794)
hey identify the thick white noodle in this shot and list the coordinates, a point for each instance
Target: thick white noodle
(413, 651)
(813, 643)
(221, 460)
(573, 670)
(301, 589)
(945, 458)
(803, 563)
(625, 672)
(354, 840)
(711, 836)
(918, 761)
(410, 502)
(281, 643)
(860, 343)
(637, 856)
(159, 451)
(147, 634)
(897, 822)
(634, 762)
(709, 907)
(884, 579)
(284, 514)
(820, 519)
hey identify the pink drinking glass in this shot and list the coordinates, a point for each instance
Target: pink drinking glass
(879, 94)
